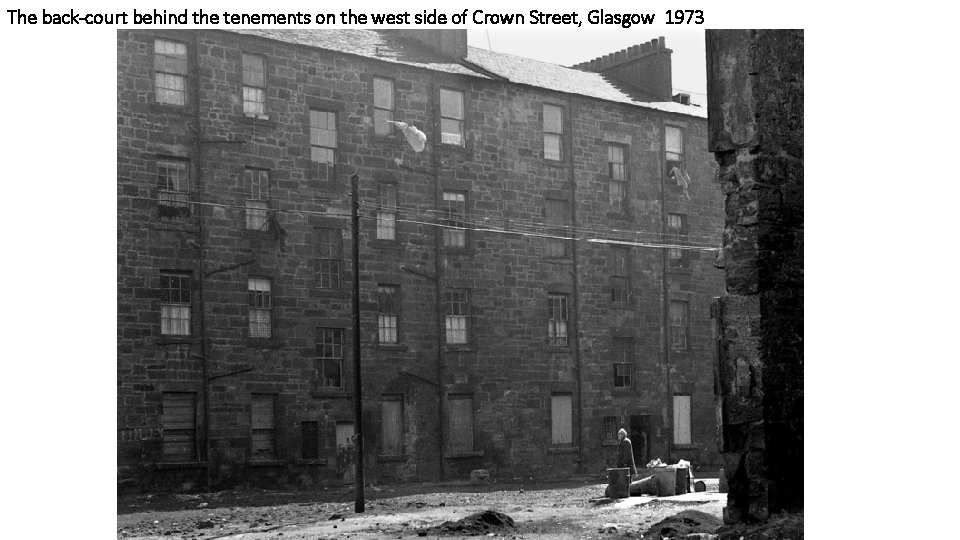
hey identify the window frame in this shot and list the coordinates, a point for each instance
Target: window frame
(166, 299)
(266, 306)
(326, 170)
(246, 84)
(455, 219)
(684, 327)
(322, 358)
(330, 259)
(620, 276)
(608, 435)
(552, 135)
(387, 207)
(460, 122)
(621, 184)
(389, 112)
(554, 337)
(461, 305)
(671, 156)
(178, 203)
(556, 225)
(622, 349)
(166, 65)
(257, 204)
(387, 308)
(677, 258)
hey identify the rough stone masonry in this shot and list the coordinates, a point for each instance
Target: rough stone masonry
(755, 97)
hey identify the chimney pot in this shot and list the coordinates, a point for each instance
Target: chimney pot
(663, 43)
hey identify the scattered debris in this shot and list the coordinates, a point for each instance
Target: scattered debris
(683, 524)
(609, 528)
(479, 523)
(479, 476)
(334, 516)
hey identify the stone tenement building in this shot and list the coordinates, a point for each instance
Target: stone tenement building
(518, 305)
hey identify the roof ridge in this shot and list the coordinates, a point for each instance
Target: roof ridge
(527, 58)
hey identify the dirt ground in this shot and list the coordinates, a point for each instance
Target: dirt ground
(558, 510)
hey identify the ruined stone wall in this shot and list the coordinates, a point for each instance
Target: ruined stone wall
(755, 93)
(507, 367)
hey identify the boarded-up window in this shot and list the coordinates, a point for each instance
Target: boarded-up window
(309, 440)
(263, 411)
(681, 420)
(461, 424)
(391, 410)
(561, 409)
(179, 421)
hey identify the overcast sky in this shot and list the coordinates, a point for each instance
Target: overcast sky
(572, 47)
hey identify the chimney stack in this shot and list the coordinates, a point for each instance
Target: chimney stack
(646, 66)
(450, 43)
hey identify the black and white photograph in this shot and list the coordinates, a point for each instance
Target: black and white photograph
(405, 283)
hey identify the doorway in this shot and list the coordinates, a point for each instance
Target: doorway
(640, 436)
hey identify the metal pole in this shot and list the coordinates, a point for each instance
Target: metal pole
(357, 397)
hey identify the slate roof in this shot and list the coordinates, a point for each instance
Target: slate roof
(388, 47)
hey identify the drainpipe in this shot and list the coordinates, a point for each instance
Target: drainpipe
(438, 236)
(665, 302)
(205, 343)
(576, 293)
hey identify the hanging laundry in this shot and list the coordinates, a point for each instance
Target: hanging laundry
(682, 179)
(415, 137)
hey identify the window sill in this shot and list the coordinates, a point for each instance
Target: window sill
(257, 121)
(257, 234)
(263, 343)
(392, 347)
(617, 305)
(682, 353)
(166, 108)
(618, 391)
(312, 462)
(686, 446)
(333, 293)
(383, 458)
(386, 244)
(462, 149)
(558, 348)
(179, 226)
(330, 393)
(621, 216)
(265, 463)
(463, 455)
(459, 348)
(447, 250)
(563, 450)
(559, 163)
(176, 340)
(173, 465)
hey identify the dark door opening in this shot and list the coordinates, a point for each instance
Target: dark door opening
(640, 437)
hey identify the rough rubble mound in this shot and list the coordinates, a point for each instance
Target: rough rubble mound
(474, 524)
(686, 522)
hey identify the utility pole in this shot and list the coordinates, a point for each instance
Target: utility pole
(357, 397)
